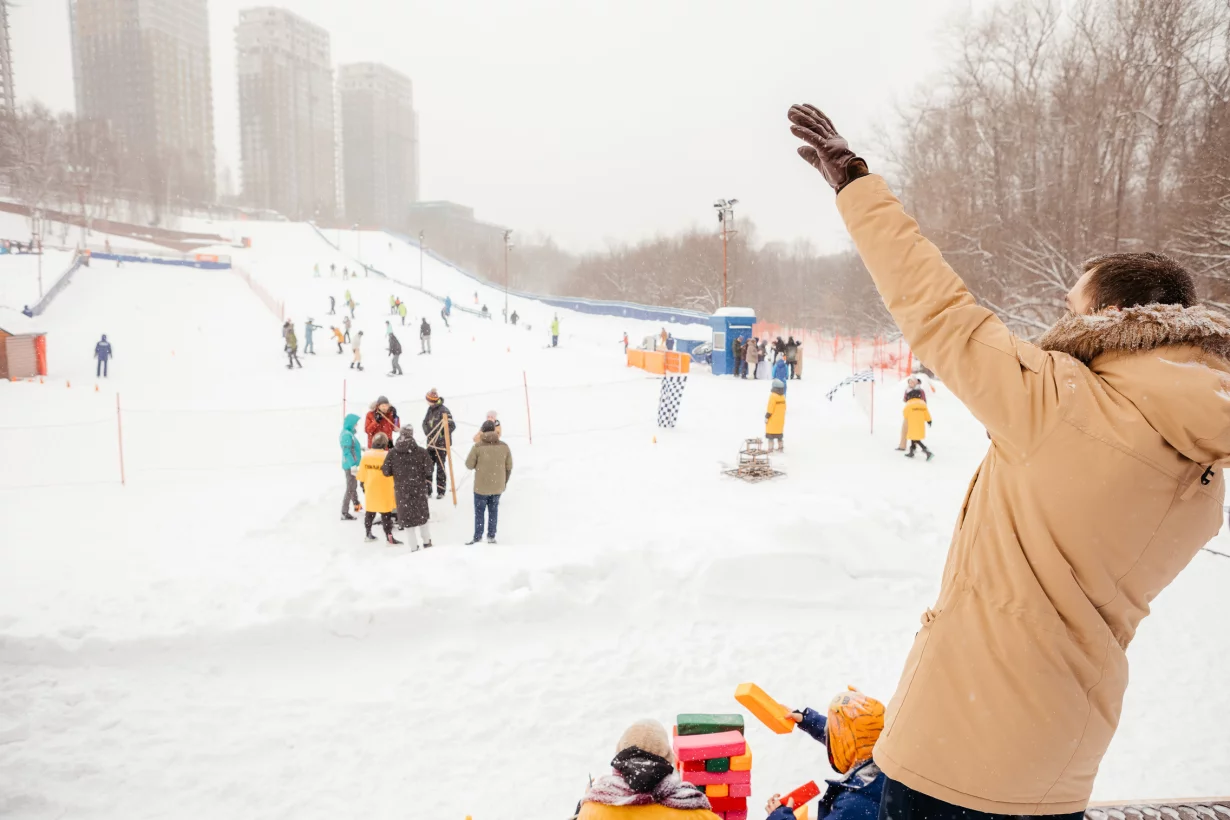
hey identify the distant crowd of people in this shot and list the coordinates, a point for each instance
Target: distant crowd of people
(748, 354)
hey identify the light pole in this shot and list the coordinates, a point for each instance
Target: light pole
(420, 260)
(507, 247)
(726, 214)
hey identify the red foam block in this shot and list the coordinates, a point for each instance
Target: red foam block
(740, 790)
(713, 778)
(721, 805)
(802, 794)
(706, 747)
(736, 815)
(693, 765)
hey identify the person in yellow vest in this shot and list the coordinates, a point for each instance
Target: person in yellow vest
(917, 420)
(775, 416)
(378, 490)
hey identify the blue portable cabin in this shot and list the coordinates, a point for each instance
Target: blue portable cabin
(729, 323)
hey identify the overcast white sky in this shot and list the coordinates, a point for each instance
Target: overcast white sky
(596, 119)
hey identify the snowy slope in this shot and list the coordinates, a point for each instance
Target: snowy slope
(211, 641)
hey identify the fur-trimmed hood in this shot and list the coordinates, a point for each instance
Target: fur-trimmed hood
(1171, 362)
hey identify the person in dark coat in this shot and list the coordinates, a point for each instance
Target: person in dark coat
(395, 352)
(736, 349)
(425, 337)
(433, 430)
(792, 356)
(102, 352)
(779, 349)
(849, 732)
(411, 466)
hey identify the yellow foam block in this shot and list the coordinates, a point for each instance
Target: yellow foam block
(767, 711)
(717, 790)
(801, 812)
(743, 762)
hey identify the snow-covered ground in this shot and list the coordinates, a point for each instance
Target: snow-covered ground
(211, 641)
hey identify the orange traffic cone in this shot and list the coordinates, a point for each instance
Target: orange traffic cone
(95, 388)
(655, 439)
(68, 384)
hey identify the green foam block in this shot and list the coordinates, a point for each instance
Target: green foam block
(717, 765)
(701, 724)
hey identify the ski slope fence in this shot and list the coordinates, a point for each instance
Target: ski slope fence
(106, 440)
(65, 279)
(276, 306)
(890, 358)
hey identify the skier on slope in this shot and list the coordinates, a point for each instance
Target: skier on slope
(410, 467)
(425, 337)
(849, 733)
(514, 318)
(395, 352)
(448, 306)
(338, 337)
(332, 306)
(346, 325)
(308, 345)
(444, 316)
(102, 352)
(357, 363)
(392, 304)
(292, 346)
(625, 342)
(555, 331)
(401, 311)
(433, 430)
(351, 454)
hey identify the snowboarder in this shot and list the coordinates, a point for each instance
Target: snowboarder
(444, 316)
(401, 311)
(346, 325)
(781, 372)
(292, 347)
(555, 331)
(775, 416)
(102, 352)
(918, 419)
(308, 345)
(425, 337)
(357, 363)
(514, 318)
(332, 306)
(381, 418)
(433, 431)
(395, 352)
(378, 490)
(491, 461)
(849, 733)
(351, 454)
(337, 335)
(410, 467)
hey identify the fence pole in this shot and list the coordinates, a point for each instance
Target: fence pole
(119, 425)
(448, 448)
(873, 407)
(529, 425)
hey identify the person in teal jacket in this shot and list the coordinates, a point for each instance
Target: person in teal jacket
(352, 453)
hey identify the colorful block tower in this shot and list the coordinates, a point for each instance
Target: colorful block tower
(713, 755)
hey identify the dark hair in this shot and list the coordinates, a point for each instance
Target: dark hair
(1126, 280)
(488, 427)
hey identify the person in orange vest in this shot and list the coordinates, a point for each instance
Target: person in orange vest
(337, 335)
(625, 343)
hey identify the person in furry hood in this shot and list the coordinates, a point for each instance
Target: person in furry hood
(643, 776)
(1102, 482)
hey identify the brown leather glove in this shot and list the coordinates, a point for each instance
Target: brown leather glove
(826, 150)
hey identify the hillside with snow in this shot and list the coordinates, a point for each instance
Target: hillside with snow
(208, 639)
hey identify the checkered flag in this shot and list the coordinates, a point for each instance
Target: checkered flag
(862, 376)
(669, 399)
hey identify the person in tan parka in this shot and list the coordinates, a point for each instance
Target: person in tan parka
(1102, 482)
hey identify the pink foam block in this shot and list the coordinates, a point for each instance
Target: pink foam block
(707, 747)
(736, 815)
(713, 778)
(740, 790)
